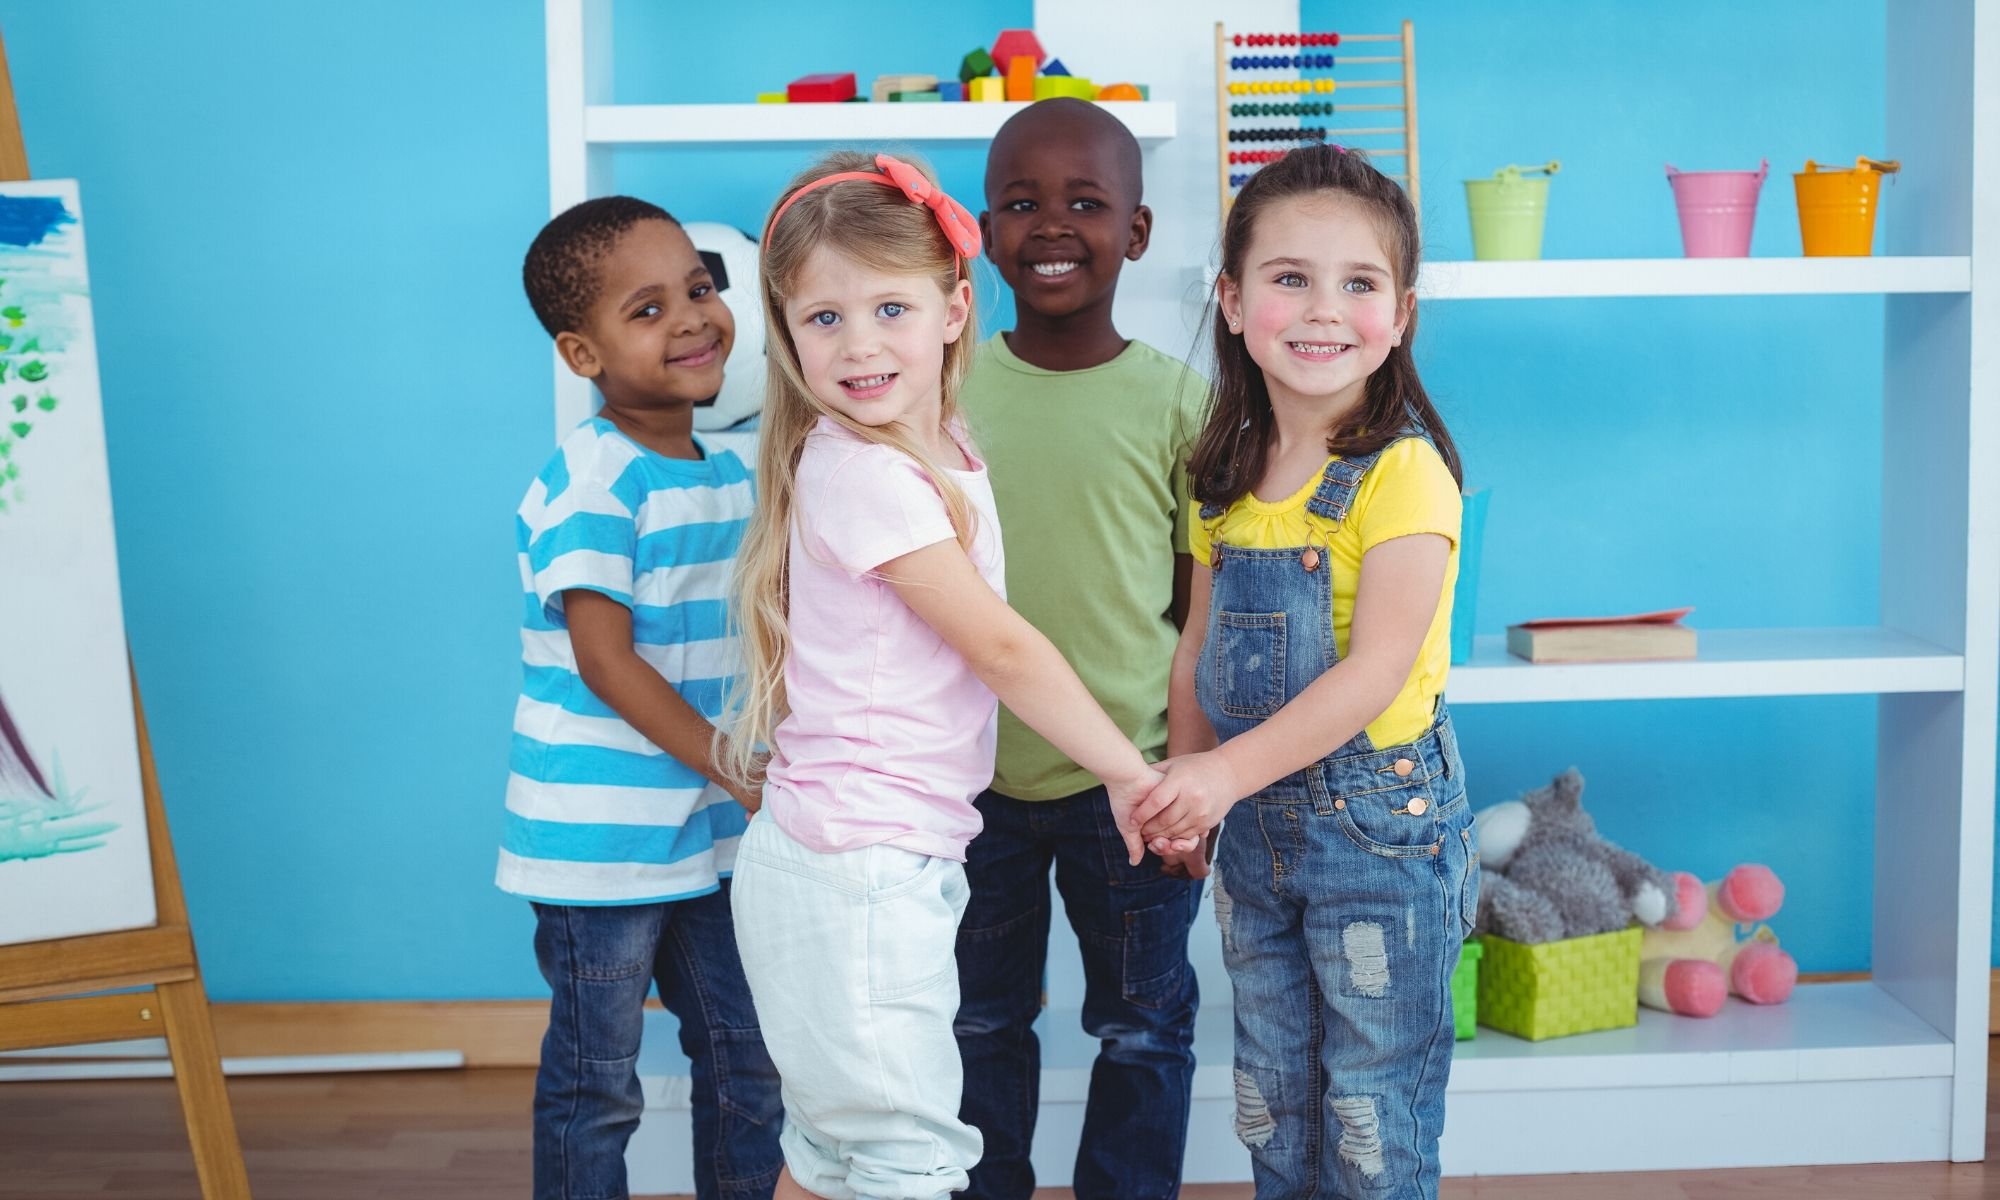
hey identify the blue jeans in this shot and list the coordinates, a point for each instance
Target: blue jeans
(600, 962)
(1342, 913)
(1139, 997)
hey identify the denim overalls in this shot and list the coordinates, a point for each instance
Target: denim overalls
(1343, 892)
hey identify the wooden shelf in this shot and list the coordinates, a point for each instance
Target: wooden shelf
(1558, 278)
(1732, 662)
(729, 124)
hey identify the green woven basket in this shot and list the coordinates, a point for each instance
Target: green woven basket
(1465, 992)
(1559, 988)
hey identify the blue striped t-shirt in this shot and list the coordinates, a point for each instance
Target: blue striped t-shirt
(597, 814)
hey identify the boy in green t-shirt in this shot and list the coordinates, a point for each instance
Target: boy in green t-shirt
(1087, 436)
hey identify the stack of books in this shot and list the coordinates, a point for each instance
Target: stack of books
(1639, 637)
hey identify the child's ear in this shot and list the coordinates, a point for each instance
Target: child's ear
(1405, 311)
(1229, 298)
(986, 237)
(1141, 235)
(958, 309)
(578, 355)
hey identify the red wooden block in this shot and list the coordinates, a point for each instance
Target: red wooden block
(831, 88)
(1018, 43)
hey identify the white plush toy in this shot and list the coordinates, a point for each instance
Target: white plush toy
(731, 257)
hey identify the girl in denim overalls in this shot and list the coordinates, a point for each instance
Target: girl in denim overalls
(1316, 650)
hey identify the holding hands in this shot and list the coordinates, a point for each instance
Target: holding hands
(1197, 792)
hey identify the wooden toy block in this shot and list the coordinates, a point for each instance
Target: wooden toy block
(886, 86)
(949, 90)
(988, 87)
(1119, 91)
(975, 64)
(1048, 87)
(1021, 78)
(1054, 67)
(1016, 43)
(830, 87)
(914, 97)
(772, 98)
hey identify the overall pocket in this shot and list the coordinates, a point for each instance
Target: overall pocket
(1248, 663)
(1406, 820)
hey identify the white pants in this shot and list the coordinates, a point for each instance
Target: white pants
(851, 962)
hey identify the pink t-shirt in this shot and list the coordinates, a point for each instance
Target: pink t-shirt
(890, 734)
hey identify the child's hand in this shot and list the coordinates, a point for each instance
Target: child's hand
(1190, 864)
(1197, 793)
(750, 795)
(1127, 797)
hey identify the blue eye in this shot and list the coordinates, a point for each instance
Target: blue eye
(1360, 285)
(892, 310)
(825, 320)
(1291, 279)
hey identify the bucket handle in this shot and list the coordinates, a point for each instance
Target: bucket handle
(1763, 169)
(1864, 163)
(1510, 171)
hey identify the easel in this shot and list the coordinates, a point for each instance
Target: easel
(159, 961)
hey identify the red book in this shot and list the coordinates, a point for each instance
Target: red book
(821, 89)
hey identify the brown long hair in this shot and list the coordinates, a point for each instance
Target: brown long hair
(1229, 456)
(870, 224)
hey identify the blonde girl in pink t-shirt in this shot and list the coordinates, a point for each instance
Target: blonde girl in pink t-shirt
(876, 641)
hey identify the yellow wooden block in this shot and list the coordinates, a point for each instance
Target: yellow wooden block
(1048, 87)
(772, 98)
(988, 87)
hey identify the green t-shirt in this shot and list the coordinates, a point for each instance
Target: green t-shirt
(1089, 474)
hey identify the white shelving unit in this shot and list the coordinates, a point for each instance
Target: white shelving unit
(1551, 279)
(734, 124)
(1892, 1069)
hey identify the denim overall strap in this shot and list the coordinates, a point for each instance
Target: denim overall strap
(1335, 494)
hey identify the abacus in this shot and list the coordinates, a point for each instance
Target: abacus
(1291, 76)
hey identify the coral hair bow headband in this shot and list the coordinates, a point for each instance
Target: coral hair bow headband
(960, 229)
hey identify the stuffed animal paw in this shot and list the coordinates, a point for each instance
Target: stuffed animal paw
(1709, 951)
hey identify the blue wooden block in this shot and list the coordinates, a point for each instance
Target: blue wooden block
(950, 89)
(1054, 67)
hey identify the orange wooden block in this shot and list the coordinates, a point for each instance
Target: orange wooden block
(1020, 78)
(1118, 91)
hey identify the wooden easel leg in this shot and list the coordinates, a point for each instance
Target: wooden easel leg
(218, 1157)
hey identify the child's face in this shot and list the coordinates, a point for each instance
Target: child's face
(1317, 306)
(871, 345)
(658, 333)
(1061, 221)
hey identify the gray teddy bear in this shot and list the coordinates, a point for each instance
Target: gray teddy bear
(1546, 874)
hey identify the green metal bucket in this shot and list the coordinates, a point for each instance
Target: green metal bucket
(1508, 212)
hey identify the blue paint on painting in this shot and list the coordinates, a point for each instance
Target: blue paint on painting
(26, 220)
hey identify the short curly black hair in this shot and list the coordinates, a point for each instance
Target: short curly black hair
(560, 272)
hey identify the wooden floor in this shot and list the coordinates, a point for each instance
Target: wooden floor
(447, 1134)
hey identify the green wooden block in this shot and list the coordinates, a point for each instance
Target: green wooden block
(974, 65)
(914, 97)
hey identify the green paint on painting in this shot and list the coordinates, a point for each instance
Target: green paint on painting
(21, 428)
(47, 403)
(34, 371)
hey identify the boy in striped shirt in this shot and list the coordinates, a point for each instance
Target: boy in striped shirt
(618, 827)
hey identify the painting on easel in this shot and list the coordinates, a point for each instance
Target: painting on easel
(73, 851)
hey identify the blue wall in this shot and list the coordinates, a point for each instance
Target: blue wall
(325, 395)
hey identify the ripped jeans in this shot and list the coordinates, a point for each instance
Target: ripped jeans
(1343, 900)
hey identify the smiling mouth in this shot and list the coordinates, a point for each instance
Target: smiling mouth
(865, 387)
(700, 357)
(1054, 270)
(1319, 350)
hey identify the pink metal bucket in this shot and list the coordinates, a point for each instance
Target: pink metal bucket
(1717, 209)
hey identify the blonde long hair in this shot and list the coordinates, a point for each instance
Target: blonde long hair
(878, 226)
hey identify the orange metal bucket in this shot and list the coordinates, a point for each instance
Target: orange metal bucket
(1837, 207)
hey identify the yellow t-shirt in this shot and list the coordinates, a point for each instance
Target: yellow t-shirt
(1408, 490)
